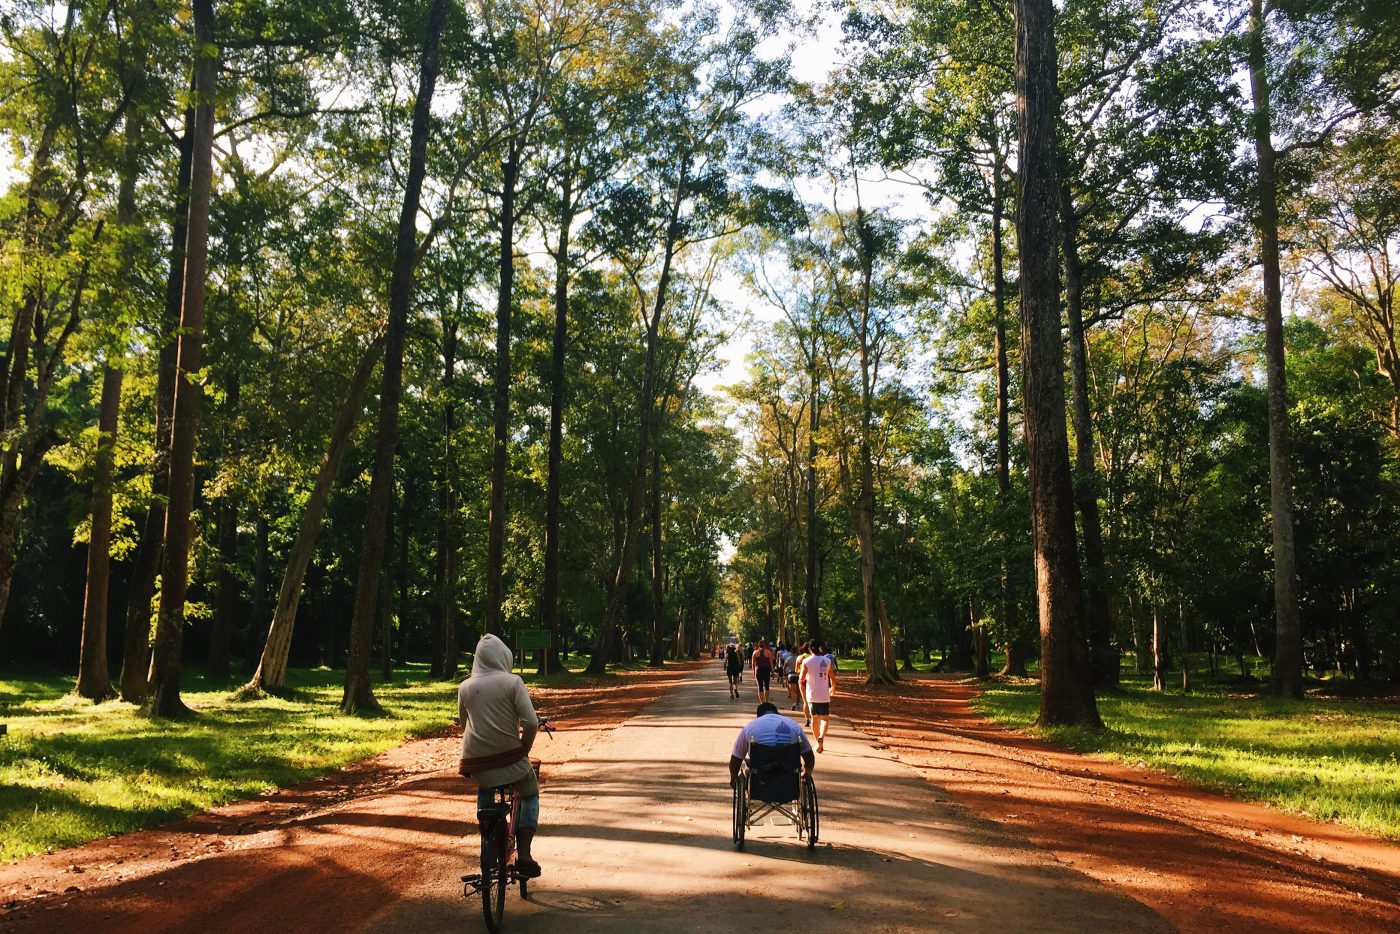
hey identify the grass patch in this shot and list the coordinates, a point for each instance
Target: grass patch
(1333, 760)
(854, 664)
(73, 771)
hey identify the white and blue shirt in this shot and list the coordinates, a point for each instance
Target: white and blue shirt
(771, 729)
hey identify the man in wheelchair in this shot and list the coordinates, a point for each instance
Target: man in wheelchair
(771, 742)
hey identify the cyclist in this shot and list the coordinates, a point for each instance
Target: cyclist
(769, 728)
(819, 682)
(499, 725)
(762, 662)
(733, 666)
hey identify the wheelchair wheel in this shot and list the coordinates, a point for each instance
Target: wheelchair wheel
(811, 814)
(493, 874)
(741, 811)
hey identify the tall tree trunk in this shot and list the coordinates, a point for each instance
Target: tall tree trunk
(402, 576)
(1066, 685)
(1159, 651)
(93, 681)
(1142, 649)
(386, 609)
(500, 415)
(549, 597)
(814, 625)
(225, 588)
(982, 664)
(260, 562)
(272, 667)
(646, 402)
(1185, 659)
(1015, 647)
(358, 696)
(1103, 652)
(1286, 679)
(785, 588)
(175, 563)
(658, 568)
(226, 581)
(767, 594)
(879, 653)
(141, 591)
(443, 656)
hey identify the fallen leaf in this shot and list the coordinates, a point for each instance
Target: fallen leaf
(838, 906)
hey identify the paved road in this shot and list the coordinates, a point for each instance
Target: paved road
(636, 837)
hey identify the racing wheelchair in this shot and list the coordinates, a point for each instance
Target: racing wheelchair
(771, 783)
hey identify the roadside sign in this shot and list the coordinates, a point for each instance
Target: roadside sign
(530, 639)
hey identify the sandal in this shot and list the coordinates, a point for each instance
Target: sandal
(527, 869)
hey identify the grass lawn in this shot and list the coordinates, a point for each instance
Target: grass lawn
(1333, 760)
(855, 664)
(72, 771)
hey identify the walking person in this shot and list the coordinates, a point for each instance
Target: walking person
(801, 659)
(763, 660)
(792, 664)
(818, 681)
(733, 667)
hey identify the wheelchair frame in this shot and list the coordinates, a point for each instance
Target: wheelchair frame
(804, 812)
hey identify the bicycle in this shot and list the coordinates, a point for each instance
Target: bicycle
(497, 822)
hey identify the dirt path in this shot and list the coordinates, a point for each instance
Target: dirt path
(1203, 861)
(637, 839)
(345, 842)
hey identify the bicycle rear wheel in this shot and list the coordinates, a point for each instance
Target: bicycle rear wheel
(811, 812)
(493, 875)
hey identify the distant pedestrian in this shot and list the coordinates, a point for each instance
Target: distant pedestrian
(733, 667)
(763, 661)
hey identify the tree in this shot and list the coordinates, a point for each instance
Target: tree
(1066, 687)
(1349, 234)
(271, 672)
(682, 199)
(358, 696)
(53, 238)
(170, 622)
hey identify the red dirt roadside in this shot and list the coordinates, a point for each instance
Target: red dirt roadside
(1204, 861)
(358, 832)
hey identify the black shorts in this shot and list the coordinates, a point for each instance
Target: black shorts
(792, 678)
(764, 676)
(820, 708)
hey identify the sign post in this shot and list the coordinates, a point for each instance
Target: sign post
(534, 639)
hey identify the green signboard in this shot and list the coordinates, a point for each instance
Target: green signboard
(529, 639)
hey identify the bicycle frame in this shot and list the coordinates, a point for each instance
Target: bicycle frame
(505, 805)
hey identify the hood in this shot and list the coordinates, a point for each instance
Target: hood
(492, 655)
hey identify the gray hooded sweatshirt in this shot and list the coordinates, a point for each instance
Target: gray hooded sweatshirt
(492, 705)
